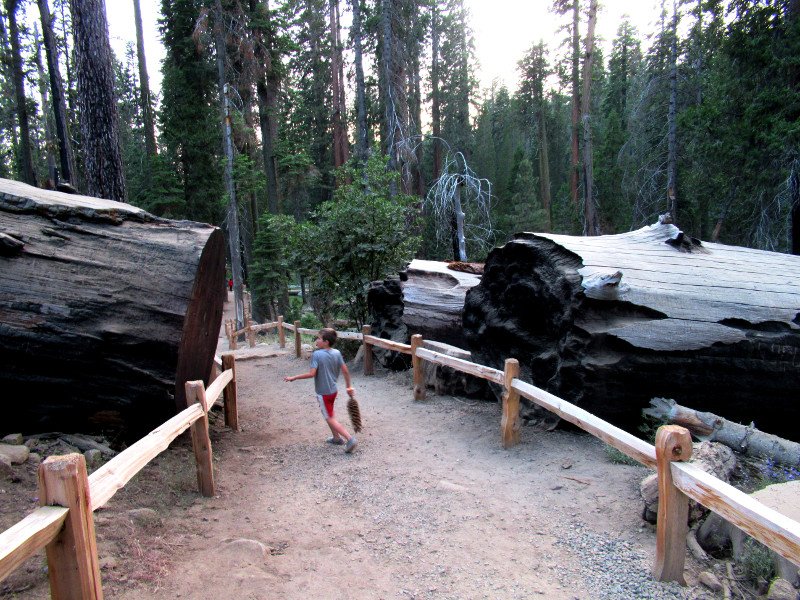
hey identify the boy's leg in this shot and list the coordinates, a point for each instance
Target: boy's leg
(326, 407)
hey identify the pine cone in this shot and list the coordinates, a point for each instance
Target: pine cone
(355, 414)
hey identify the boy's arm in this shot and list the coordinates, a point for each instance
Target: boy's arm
(310, 375)
(346, 373)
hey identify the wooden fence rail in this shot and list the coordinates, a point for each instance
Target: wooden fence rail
(64, 525)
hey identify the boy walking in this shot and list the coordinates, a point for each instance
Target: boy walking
(326, 363)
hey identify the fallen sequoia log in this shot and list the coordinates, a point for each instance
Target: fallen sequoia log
(610, 322)
(427, 298)
(105, 310)
(707, 426)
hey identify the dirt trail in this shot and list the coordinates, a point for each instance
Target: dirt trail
(428, 506)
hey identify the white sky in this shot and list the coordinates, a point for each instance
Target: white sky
(503, 30)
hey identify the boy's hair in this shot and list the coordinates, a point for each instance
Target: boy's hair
(329, 335)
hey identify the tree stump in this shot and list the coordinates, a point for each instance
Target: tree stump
(105, 311)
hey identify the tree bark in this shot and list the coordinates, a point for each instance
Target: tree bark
(144, 85)
(575, 159)
(436, 115)
(65, 154)
(672, 136)
(362, 145)
(592, 223)
(709, 427)
(267, 88)
(48, 127)
(232, 219)
(610, 322)
(105, 175)
(25, 152)
(105, 311)
(340, 147)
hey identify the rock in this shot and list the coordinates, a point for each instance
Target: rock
(785, 498)
(712, 457)
(711, 581)
(6, 470)
(780, 589)
(94, 458)
(15, 439)
(34, 458)
(306, 350)
(714, 534)
(16, 454)
(242, 552)
(146, 518)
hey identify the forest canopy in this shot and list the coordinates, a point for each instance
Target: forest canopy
(271, 116)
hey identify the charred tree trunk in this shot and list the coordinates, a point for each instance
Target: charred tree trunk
(105, 311)
(613, 321)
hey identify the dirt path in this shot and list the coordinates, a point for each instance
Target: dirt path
(428, 506)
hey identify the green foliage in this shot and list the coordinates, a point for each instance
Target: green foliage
(272, 264)
(756, 561)
(619, 458)
(358, 237)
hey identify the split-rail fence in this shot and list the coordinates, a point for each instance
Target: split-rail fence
(678, 480)
(64, 525)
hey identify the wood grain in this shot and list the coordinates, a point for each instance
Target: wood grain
(25, 538)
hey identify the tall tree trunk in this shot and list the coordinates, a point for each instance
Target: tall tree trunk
(144, 85)
(232, 219)
(574, 164)
(25, 152)
(396, 101)
(105, 177)
(267, 88)
(59, 104)
(436, 114)
(544, 167)
(794, 80)
(362, 145)
(340, 148)
(592, 223)
(49, 143)
(672, 137)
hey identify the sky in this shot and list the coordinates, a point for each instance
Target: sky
(503, 30)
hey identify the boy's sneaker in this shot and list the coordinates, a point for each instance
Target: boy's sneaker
(351, 444)
(335, 440)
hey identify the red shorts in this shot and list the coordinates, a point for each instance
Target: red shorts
(326, 404)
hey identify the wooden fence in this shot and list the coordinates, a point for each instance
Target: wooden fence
(64, 524)
(678, 480)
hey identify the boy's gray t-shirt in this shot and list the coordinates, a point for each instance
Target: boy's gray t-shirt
(328, 364)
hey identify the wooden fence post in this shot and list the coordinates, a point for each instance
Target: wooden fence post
(72, 563)
(232, 342)
(229, 393)
(673, 443)
(201, 442)
(416, 363)
(281, 332)
(251, 335)
(509, 424)
(369, 368)
(297, 339)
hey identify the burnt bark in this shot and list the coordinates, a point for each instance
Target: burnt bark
(105, 176)
(105, 311)
(610, 322)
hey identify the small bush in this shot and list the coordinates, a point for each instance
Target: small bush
(757, 562)
(619, 458)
